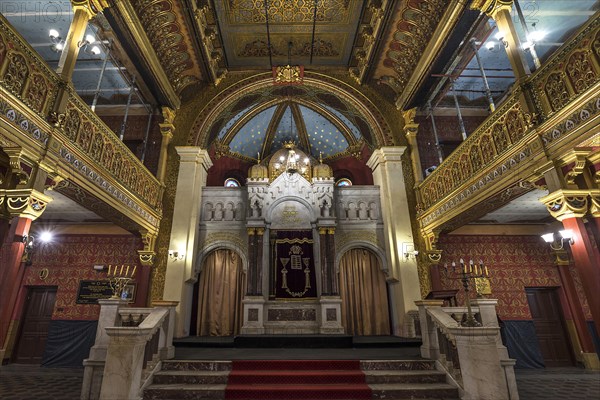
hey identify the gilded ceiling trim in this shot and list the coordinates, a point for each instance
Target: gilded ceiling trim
(415, 43)
(301, 127)
(166, 29)
(380, 129)
(244, 119)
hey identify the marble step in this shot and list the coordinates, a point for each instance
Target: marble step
(184, 392)
(195, 365)
(174, 377)
(397, 365)
(400, 376)
(397, 391)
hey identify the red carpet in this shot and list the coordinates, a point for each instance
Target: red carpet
(297, 379)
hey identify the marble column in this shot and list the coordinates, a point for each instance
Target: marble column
(388, 174)
(179, 278)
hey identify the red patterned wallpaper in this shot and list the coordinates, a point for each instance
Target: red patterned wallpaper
(70, 259)
(514, 262)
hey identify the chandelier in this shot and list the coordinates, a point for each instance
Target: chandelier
(292, 163)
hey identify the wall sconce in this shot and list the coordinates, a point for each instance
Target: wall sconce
(411, 254)
(557, 241)
(87, 45)
(58, 44)
(29, 242)
(176, 255)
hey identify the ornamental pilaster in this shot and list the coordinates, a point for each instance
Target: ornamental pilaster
(564, 203)
(148, 254)
(167, 128)
(410, 130)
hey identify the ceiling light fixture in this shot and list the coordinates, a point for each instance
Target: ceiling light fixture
(57, 42)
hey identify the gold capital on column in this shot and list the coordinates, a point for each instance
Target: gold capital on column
(24, 203)
(563, 203)
(251, 231)
(147, 255)
(93, 7)
(491, 7)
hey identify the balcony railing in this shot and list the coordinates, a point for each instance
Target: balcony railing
(565, 78)
(30, 88)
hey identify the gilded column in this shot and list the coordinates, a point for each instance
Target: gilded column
(569, 207)
(83, 11)
(583, 337)
(499, 10)
(22, 203)
(146, 256)
(180, 277)
(410, 130)
(166, 129)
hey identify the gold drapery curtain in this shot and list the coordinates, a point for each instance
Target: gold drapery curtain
(364, 294)
(221, 290)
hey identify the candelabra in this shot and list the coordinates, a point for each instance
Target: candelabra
(118, 278)
(466, 273)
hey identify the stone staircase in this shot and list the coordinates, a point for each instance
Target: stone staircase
(387, 379)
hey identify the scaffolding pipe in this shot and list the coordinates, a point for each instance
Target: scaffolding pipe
(97, 93)
(461, 123)
(131, 90)
(146, 138)
(435, 133)
(486, 85)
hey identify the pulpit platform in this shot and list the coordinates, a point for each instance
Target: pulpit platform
(296, 341)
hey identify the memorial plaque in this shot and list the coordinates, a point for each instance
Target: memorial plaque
(91, 291)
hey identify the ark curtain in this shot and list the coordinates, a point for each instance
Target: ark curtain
(364, 294)
(222, 286)
(294, 265)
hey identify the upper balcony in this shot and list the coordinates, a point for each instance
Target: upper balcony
(74, 146)
(548, 113)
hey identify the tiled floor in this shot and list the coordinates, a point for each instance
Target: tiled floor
(24, 382)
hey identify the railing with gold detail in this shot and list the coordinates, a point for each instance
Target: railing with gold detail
(570, 75)
(30, 88)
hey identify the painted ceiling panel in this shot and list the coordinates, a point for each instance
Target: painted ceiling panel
(323, 136)
(286, 131)
(251, 136)
(232, 121)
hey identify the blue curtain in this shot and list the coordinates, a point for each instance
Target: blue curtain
(69, 343)
(520, 339)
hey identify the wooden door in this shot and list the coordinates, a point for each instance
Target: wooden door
(550, 326)
(35, 325)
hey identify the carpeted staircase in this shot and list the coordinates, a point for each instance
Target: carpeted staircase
(299, 379)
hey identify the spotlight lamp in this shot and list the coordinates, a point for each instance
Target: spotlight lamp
(556, 241)
(57, 42)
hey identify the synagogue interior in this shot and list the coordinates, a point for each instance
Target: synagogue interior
(268, 168)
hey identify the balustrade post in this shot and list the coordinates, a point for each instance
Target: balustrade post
(481, 370)
(430, 347)
(124, 363)
(167, 350)
(94, 364)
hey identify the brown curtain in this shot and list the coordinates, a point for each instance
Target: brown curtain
(364, 294)
(220, 294)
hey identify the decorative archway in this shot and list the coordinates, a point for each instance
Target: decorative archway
(255, 93)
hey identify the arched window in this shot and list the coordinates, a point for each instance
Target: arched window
(231, 182)
(343, 182)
